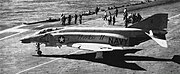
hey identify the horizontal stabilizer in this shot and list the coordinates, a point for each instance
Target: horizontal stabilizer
(176, 59)
(161, 42)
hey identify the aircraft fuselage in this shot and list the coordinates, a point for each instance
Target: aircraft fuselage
(112, 36)
(104, 35)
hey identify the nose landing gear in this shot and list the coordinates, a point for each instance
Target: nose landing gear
(39, 52)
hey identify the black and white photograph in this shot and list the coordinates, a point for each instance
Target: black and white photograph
(89, 36)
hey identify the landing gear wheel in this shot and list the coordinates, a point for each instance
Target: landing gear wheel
(39, 53)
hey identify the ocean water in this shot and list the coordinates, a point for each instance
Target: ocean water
(16, 12)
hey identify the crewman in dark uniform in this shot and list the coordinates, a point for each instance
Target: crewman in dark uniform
(69, 19)
(80, 18)
(134, 18)
(109, 20)
(63, 19)
(109, 13)
(50, 18)
(114, 20)
(75, 18)
(139, 17)
(96, 10)
(116, 12)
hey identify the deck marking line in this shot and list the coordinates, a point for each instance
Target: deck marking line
(13, 35)
(9, 29)
(9, 36)
(174, 16)
(45, 63)
(37, 66)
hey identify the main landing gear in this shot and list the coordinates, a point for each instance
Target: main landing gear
(99, 55)
(39, 52)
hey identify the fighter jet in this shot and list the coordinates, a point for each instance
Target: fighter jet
(101, 39)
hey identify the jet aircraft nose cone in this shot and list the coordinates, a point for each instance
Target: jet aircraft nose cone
(25, 40)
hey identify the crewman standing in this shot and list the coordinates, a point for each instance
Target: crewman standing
(97, 10)
(63, 19)
(114, 20)
(134, 17)
(109, 13)
(105, 15)
(109, 20)
(80, 18)
(69, 19)
(125, 17)
(116, 12)
(75, 18)
(139, 17)
(50, 18)
(125, 14)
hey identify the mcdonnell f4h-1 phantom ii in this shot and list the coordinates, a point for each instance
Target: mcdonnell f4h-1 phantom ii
(101, 39)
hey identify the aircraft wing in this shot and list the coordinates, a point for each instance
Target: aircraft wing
(95, 47)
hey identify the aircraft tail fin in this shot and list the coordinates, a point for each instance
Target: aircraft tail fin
(156, 25)
(154, 22)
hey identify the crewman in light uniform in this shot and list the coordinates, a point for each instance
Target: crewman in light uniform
(125, 17)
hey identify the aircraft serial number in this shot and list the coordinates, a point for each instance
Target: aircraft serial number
(90, 37)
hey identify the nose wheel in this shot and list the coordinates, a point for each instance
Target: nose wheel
(39, 52)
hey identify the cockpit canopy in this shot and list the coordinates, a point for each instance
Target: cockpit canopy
(49, 30)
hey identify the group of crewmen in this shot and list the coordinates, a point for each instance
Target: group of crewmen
(128, 18)
(111, 18)
(69, 19)
(131, 18)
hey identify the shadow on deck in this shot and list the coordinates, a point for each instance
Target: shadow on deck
(116, 58)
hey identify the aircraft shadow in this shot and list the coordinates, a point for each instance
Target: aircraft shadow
(116, 58)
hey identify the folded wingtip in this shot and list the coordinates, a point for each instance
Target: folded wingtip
(161, 42)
